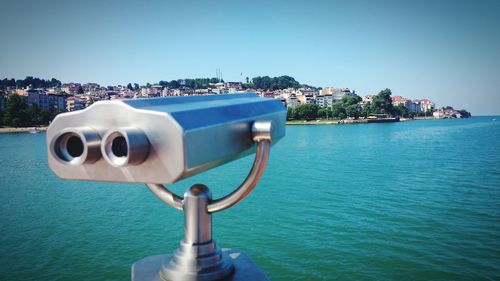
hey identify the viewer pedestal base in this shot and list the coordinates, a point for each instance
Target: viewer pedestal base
(148, 268)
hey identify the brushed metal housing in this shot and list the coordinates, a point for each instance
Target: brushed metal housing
(186, 135)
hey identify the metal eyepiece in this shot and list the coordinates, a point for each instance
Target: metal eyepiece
(76, 146)
(125, 146)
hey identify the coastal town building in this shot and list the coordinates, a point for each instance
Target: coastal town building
(326, 91)
(57, 102)
(51, 102)
(338, 95)
(306, 99)
(292, 101)
(152, 91)
(415, 105)
(366, 100)
(71, 88)
(75, 103)
(427, 105)
(325, 100)
(307, 92)
(76, 96)
(233, 87)
(399, 100)
(38, 97)
(90, 87)
(444, 113)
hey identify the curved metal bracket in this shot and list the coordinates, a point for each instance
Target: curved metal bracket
(261, 133)
(259, 164)
(166, 195)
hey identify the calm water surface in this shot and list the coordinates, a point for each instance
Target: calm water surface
(404, 201)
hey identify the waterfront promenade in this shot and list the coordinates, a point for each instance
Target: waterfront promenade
(22, 130)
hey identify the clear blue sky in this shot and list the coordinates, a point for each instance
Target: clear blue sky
(448, 51)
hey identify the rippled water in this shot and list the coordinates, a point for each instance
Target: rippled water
(404, 201)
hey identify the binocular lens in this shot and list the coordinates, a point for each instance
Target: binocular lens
(125, 146)
(69, 147)
(119, 147)
(74, 146)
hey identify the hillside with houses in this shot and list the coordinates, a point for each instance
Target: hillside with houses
(40, 100)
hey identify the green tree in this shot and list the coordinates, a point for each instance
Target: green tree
(350, 100)
(129, 86)
(366, 110)
(290, 114)
(34, 113)
(351, 106)
(338, 111)
(464, 113)
(324, 112)
(275, 83)
(306, 111)
(45, 117)
(136, 86)
(403, 111)
(53, 115)
(16, 113)
(382, 103)
(30, 80)
(353, 111)
(80, 90)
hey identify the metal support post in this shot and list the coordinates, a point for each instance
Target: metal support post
(198, 257)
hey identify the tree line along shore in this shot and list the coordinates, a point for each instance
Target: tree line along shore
(352, 107)
(20, 110)
(17, 109)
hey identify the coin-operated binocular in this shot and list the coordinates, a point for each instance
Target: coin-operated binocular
(163, 140)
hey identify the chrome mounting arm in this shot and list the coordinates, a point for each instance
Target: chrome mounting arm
(165, 195)
(261, 134)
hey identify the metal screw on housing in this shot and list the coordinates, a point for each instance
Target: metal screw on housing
(199, 257)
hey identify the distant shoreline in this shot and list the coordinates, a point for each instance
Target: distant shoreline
(12, 130)
(336, 122)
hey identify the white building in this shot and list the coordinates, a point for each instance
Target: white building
(233, 87)
(307, 92)
(292, 101)
(414, 106)
(426, 105)
(306, 99)
(75, 103)
(337, 96)
(324, 100)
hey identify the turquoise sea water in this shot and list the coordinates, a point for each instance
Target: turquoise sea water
(403, 201)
